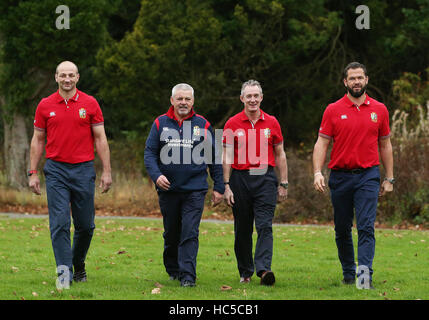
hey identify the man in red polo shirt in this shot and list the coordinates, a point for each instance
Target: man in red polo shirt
(71, 122)
(359, 128)
(253, 146)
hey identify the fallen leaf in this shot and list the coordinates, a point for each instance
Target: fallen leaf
(225, 288)
(396, 289)
(156, 291)
(35, 294)
(15, 269)
(122, 252)
(158, 285)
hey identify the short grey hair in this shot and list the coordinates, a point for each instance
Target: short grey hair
(182, 86)
(250, 83)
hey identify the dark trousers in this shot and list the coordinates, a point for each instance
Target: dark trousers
(350, 194)
(181, 212)
(255, 199)
(70, 186)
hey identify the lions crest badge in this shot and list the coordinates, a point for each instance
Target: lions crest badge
(82, 113)
(267, 133)
(196, 131)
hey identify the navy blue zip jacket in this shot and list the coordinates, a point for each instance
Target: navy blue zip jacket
(182, 151)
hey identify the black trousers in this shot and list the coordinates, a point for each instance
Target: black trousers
(255, 199)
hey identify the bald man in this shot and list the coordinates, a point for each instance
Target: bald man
(67, 125)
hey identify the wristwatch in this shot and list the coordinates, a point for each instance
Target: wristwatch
(391, 180)
(31, 172)
(284, 185)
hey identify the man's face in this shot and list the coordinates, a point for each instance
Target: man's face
(182, 101)
(67, 77)
(251, 98)
(356, 82)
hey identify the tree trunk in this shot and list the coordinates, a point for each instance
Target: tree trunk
(16, 151)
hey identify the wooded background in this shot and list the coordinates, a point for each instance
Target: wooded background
(130, 53)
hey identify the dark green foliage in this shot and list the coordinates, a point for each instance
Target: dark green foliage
(32, 46)
(297, 49)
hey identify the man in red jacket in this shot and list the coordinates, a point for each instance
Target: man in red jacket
(70, 122)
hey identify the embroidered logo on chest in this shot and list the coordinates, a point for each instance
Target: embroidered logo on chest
(82, 113)
(373, 117)
(196, 131)
(267, 132)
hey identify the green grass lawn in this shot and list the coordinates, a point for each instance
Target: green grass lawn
(125, 263)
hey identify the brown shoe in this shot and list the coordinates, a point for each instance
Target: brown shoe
(267, 278)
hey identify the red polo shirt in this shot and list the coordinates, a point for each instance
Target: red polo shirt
(253, 142)
(355, 131)
(68, 126)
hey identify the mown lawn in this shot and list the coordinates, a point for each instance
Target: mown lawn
(125, 263)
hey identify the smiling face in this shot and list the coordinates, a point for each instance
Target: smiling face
(356, 82)
(67, 77)
(182, 102)
(251, 98)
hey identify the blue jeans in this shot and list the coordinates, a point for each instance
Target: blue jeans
(355, 193)
(70, 186)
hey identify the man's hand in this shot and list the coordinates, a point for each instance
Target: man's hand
(34, 184)
(229, 196)
(163, 183)
(319, 182)
(216, 198)
(106, 181)
(386, 186)
(282, 193)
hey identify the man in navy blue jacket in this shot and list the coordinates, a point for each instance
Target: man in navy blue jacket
(179, 148)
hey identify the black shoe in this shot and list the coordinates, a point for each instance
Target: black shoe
(267, 278)
(349, 281)
(79, 274)
(173, 277)
(187, 283)
(370, 287)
